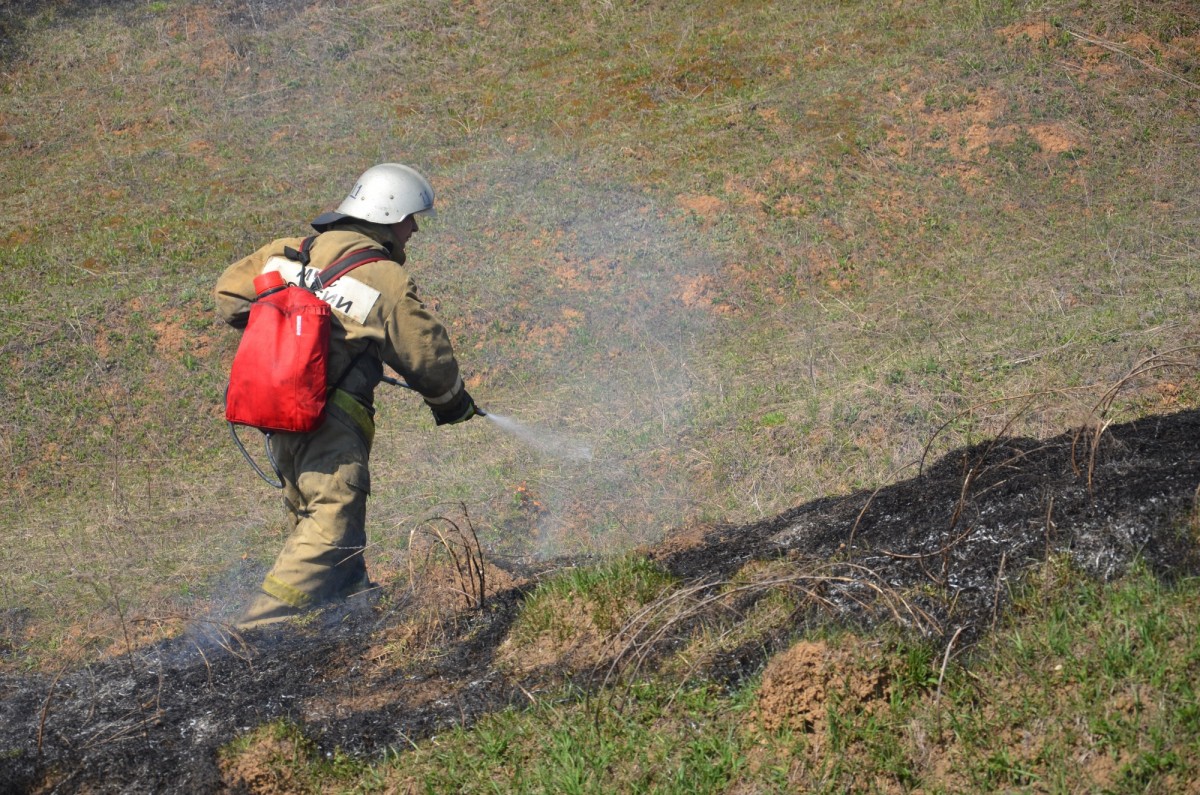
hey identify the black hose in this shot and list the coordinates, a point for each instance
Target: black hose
(275, 484)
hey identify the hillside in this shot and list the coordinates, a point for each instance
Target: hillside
(936, 552)
(876, 322)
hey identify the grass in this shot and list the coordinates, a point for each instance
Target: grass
(549, 748)
(611, 592)
(750, 253)
(1085, 688)
(1113, 663)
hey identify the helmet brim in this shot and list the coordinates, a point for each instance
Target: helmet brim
(324, 221)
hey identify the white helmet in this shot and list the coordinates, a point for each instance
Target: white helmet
(384, 194)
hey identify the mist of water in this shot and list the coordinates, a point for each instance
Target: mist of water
(543, 441)
(601, 447)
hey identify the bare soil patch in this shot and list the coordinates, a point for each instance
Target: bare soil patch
(801, 684)
(258, 769)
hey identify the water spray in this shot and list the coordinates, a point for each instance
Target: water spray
(542, 441)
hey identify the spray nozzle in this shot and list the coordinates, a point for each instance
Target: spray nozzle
(541, 441)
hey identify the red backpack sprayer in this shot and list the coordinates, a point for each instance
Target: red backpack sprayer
(279, 379)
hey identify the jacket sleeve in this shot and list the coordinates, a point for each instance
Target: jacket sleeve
(235, 288)
(417, 346)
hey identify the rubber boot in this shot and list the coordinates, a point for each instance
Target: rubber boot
(266, 609)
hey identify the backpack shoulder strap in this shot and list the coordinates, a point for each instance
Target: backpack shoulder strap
(302, 256)
(349, 262)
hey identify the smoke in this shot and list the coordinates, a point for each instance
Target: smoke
(578, 329)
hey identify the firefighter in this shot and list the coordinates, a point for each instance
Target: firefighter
(377, 319)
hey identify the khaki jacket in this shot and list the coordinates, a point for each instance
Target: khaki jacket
(377, 317)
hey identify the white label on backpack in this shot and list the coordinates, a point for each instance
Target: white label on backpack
(347, 296)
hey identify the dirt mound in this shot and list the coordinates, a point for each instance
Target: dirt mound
(802, 684)
(937, 552)
(263, 767)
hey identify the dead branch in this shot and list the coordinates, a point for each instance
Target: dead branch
(1099, 410)
(664, 620)
(1111, 47)
(463, 549)
(46, 706)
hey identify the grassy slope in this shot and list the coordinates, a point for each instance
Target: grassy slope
(762, 251)
(1087, 688)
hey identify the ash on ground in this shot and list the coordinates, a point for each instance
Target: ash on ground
(960, 532)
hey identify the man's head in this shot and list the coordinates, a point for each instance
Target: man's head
(402, 231)
(390, 195)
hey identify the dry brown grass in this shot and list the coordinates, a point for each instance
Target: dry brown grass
(766, 258)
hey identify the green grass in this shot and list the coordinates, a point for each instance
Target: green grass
(1101, 679)
(1086, 688)
(659, 745)
(609, 593)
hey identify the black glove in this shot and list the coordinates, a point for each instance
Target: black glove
(460, 409)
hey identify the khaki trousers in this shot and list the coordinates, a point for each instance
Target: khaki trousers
(325, 487)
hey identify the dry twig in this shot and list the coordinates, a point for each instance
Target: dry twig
(464, 550)
(1111, 47)
(664, 621)
(46, 707)
(1094, 431)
